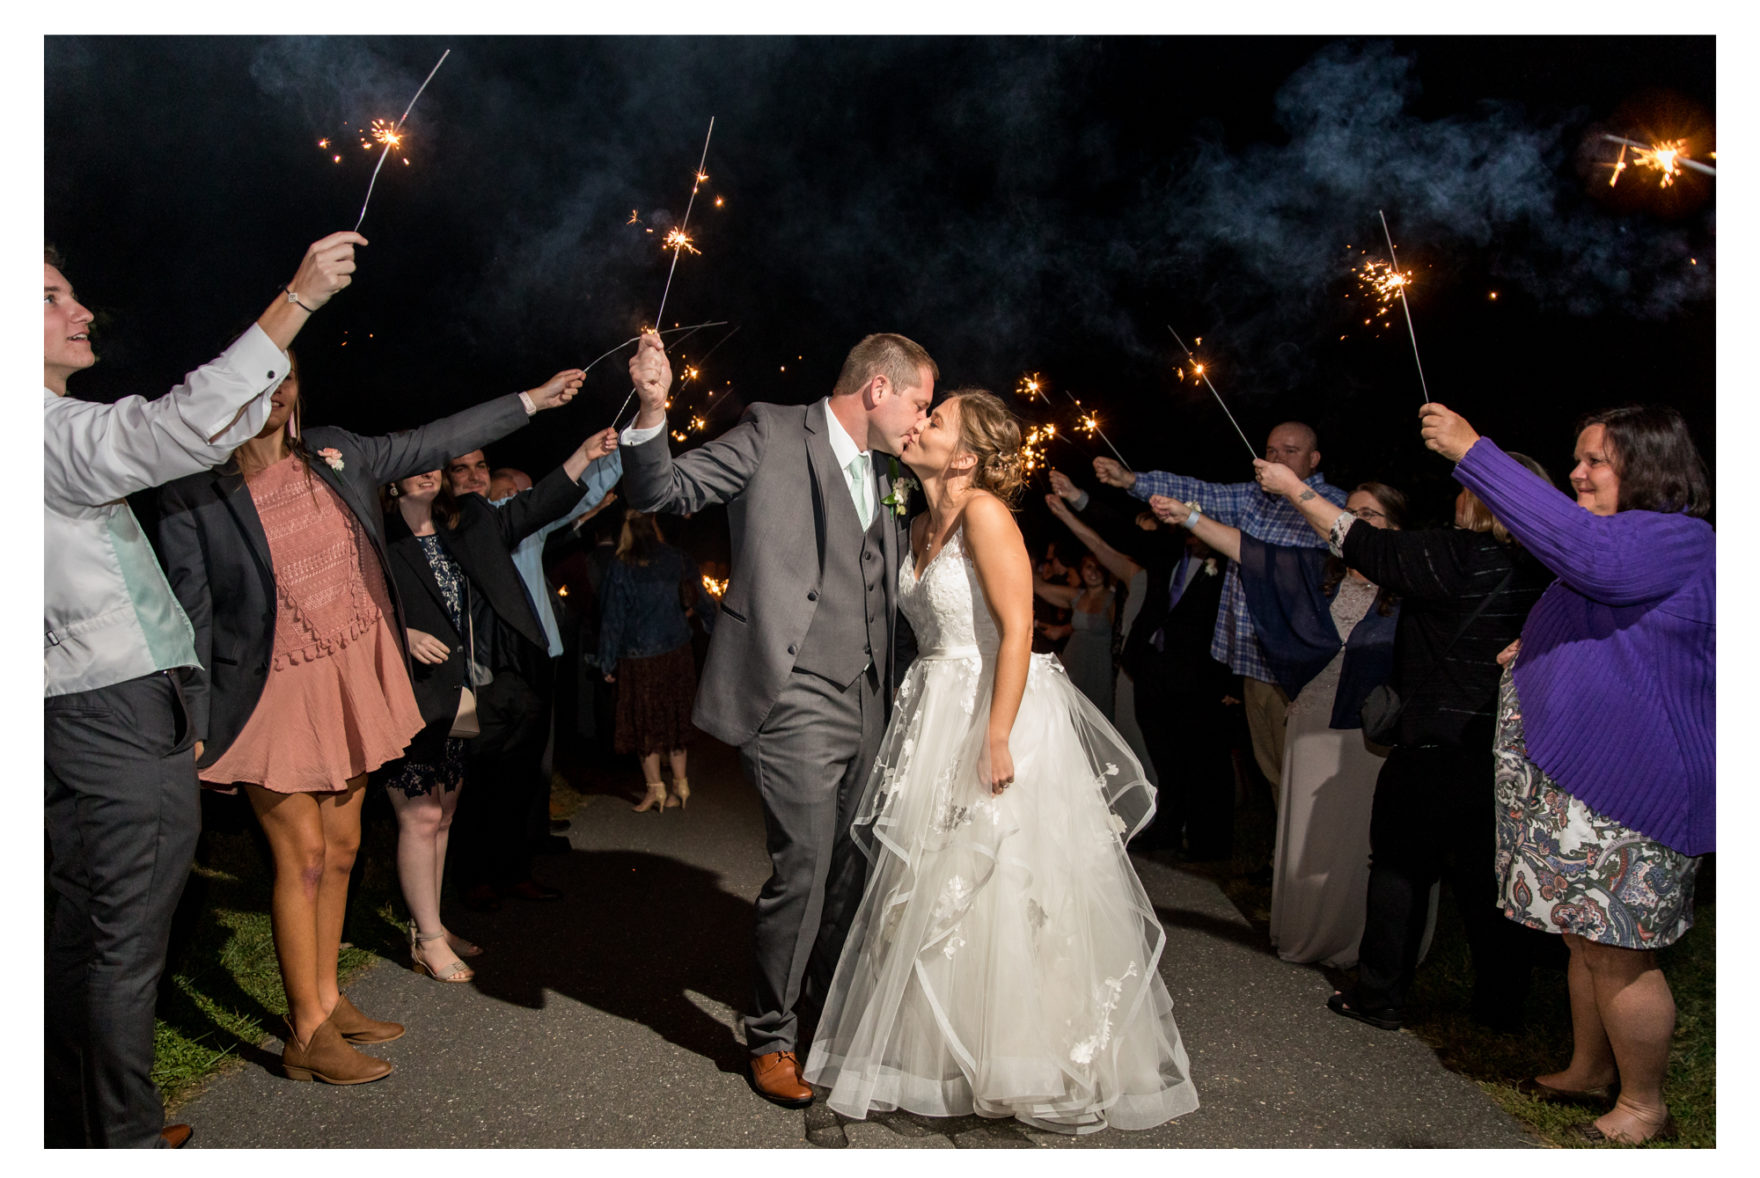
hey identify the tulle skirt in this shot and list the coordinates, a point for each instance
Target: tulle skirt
(1004, 959)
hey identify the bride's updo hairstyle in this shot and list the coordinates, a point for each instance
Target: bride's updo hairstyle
(992, 435)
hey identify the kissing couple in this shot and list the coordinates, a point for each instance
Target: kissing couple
(949, 886)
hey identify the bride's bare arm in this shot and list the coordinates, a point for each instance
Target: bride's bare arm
(1006, 575)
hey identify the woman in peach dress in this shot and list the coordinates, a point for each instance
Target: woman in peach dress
(278, 559)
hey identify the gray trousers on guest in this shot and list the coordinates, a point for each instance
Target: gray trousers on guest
(122, 807)
(809, 763)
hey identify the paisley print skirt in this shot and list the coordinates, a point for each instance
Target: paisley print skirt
(1565, 868)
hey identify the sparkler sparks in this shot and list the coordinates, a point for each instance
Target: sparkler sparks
(1199, 370)
(1667, 157)
(714, 586)
(385, 133)
(1030, 386)
(1404, 306)
(677, 239)
(1033, 446)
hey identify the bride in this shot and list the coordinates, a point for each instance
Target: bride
(1004, 958)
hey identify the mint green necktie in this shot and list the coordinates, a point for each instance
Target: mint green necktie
(857, 470)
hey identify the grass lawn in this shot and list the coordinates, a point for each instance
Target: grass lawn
(1437, 1010)
(221, 1000)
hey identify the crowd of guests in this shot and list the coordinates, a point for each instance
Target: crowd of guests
(1382, 669)
(1521, 704)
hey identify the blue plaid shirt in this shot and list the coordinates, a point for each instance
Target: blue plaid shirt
(1270, 518)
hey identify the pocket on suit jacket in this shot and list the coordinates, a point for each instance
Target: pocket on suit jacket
(734, 614)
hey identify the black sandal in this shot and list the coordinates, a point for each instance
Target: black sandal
(1386, 1019)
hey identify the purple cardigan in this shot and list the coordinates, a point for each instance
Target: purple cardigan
(1618, 670)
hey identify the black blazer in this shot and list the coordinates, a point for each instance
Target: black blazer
(216, 556)
(1183, 663)
(482, 544)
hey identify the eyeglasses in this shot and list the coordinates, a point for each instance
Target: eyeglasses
(1368, 514)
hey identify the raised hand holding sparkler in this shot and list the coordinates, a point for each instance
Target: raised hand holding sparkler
(392, 136)
(1114, 474)
(650, 375)
(558, 391)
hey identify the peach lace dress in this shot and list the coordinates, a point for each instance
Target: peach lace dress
(337, 702)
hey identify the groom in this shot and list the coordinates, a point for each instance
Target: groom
(801, 669)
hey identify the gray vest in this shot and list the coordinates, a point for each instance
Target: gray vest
(849, 620)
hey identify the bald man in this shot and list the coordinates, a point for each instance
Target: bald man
(1266, 517)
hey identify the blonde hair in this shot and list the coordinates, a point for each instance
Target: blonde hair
(1479, 517)
(990, 433)
(640, 538)
(898, 359)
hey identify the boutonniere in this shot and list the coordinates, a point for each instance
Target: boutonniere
(1210, 567)
(332, 457)
(899, 498)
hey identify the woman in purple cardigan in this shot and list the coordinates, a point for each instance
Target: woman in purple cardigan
(1606, 745)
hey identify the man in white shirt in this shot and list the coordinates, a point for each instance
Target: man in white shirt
(121, 801)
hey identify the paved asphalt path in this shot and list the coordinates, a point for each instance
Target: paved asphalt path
(608, 1020)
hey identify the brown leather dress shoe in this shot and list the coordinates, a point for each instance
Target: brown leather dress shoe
(358, 1028)
(776, 1076)
(175, 1135)
(328, 1058)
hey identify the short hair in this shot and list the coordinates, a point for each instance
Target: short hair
(1313, 436)
(990, 433)
(1658, 465)
(52, 257)
(896, 358)
(1479, 517)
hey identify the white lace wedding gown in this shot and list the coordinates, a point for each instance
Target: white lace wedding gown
(1004, 957)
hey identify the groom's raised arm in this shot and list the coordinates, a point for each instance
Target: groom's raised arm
(714, 472)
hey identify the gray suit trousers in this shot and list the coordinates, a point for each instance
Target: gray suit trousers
(123, 809)
(809, 763)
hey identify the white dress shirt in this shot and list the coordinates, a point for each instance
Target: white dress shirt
(108, 613)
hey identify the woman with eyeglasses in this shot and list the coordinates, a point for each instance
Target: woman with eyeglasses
(1327, 632)
(1464, 592)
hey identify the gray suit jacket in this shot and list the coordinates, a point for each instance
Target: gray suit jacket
(774, 471)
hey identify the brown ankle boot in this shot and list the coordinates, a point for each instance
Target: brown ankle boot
(356, 1027)
(326, 1057)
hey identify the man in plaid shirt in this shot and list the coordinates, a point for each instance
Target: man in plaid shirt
(1270, 518)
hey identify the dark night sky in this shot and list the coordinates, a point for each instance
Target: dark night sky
(1013, 203)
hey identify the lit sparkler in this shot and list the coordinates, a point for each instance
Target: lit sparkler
(1033, 445)
(714, 586)
(1401, 286)
(1030, 386)
(1199, 370)
(679, 242)
(676, 239)
(1667, 157)
(1091, 424)
(390, 136)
